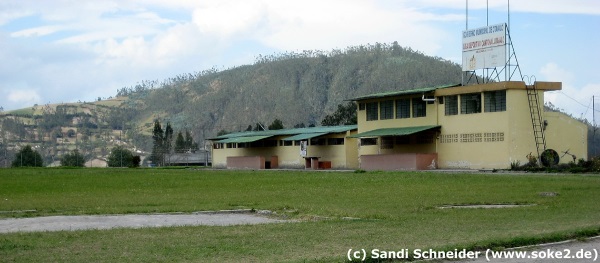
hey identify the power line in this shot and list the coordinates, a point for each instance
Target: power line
(578, 102)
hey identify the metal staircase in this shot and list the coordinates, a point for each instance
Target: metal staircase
(536, 119)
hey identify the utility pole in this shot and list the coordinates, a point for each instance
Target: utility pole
(594, 125)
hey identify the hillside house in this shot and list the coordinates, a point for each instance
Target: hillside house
(486, 126)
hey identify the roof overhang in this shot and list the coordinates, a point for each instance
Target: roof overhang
(304, 136)
(404, 92)
(244, 139)
(494, 86)
(303, 133)
(394, 131)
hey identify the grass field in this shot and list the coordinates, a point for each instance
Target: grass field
(395, 210)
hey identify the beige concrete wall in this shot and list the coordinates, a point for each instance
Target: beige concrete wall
(351, 151)
(488, 140)
(219, 156)
(521, 141)
(564, 133)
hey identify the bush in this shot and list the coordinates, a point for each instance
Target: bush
(581, 166)
(120, 157)
(27, 157)
(135, 161)
(531, 160)
(595, 166)
(73, 159)
(515, 165)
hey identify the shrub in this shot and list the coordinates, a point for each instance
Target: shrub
(515, 165)
(120, 157)
(532, 160)
(27, 157)
(595, 164)
(73, 159)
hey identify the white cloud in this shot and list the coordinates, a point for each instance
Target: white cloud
(23, 97)
(227, 18)
(573, 98)
(324, 25)
(551, 71)
(591, 7)
(37, 31)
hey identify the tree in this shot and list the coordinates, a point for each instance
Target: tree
(27, 157)
(190, 145)
(276, 125)
(157, 155)
(163, 143)
(180, 144)
(73, 159)
(168, 141)
(71, 133)
(259, 127)
(3, 155)
(120, 157)
(344, 115)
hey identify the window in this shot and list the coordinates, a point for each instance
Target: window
(403, 108)
(270, 143)
(368, 141)
(387, 109)
(335, 141)
(372, 111)
(401, 140)
(287, 143)
(495, 101)
(470, 103)
(419, 108)
(319, 141)
(231, 145)
(387, 142)
(451, 105)
(361, 106)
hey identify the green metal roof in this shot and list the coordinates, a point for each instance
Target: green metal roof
(403, 92)
(304, 136)
(291, 132)
(244, 139)
(394, 131)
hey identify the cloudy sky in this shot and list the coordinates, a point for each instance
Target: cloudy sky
(77, 50)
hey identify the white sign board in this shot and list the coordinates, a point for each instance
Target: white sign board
(303, 148)
(484, 47)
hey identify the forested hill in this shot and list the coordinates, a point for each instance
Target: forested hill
(296, 88)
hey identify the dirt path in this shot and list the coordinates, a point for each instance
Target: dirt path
(60, 223)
